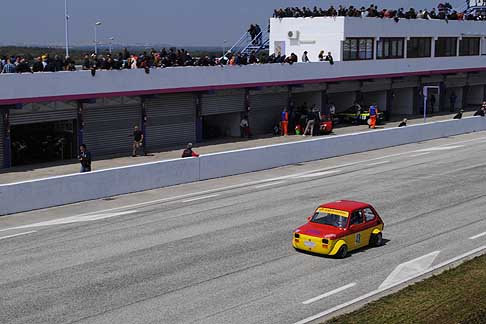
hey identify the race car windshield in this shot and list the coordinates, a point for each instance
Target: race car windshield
(329, 219)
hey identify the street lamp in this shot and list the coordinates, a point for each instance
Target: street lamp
(66, 16)
(111, 43)
(98, 23)
(224, 47)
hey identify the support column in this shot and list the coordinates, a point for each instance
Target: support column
(324, 103)
(390, 96)
(143, 123)
(7, 142)
(199, 118)
(80, 126)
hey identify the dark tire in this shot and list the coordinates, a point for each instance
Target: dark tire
(343, 252)
(376, 239)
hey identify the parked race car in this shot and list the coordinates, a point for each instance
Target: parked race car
(357, 115)
(339, 227)
(326, 125)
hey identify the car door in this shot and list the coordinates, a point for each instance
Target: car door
(356, 228)
(370, 222)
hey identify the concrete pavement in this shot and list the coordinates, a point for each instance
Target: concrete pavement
(220, 251)
(23, 173)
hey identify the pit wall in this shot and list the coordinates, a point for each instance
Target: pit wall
(62, 190)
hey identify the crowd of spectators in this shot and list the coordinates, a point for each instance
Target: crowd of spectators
(44, 63)
(444, 11)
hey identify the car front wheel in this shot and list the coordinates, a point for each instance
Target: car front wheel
(343, 252)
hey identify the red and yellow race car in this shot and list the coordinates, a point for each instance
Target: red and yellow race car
(339, 227)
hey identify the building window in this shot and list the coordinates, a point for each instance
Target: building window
(446, 46)
(419, 47)
(389, 48)
(469, 46)
(358, 49)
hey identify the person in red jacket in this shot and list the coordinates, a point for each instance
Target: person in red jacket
(285, 122)
(188, 152)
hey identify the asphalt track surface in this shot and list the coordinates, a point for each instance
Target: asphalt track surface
(220, 251)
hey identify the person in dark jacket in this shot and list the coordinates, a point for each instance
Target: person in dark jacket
(84, 158)
(480, 112)
(38, 66)
(188, 152)
(459, 114)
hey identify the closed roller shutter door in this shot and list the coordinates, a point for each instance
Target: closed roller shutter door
(18, 118)
(222, 104)
(108, 130)
(1, 142)
(171, 120)
(265, 112)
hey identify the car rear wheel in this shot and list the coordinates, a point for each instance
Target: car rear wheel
(343, 252)
(376, 239)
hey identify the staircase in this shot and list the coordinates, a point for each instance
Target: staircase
(245, 45)
(477, 7)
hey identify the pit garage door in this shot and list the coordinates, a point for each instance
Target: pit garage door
(265, 111)
(109, 130)
(171, 120)
(223, 102)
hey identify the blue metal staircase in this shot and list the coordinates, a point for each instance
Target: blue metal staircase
(246, 45)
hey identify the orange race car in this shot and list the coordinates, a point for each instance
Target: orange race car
(339, 227)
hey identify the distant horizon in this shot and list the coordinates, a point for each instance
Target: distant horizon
(194, 23)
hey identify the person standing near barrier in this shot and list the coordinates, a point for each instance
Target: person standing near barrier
(373, 115)
(284, 120)
(309, 128)
(84, 158)
(188, 152)
(137, 140)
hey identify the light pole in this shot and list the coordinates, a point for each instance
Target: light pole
(66, 16)
(224, 47)
(98, 23)
(111, 43)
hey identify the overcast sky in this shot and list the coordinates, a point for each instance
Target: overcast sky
(179, 22)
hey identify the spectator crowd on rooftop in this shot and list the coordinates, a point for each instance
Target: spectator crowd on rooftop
(444, 11)
(180, 57)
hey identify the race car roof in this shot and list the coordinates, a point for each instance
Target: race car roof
(346, 205)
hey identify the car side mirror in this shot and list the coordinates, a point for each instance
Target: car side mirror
(309, 218)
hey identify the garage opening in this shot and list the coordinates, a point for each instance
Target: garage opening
(221, 126)
(43, 142)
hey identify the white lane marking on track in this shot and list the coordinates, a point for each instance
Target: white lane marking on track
(409, 269)
(477, 236)
(269, 184)
(420, 154)
(440, 148)
(377, 291)
(317, 174)
(377, 163)
(169, 199)
(200, 198)
(330, 293)
(15, 235)
(72, 219)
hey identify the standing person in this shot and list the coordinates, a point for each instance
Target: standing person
(453, 99)
(137, 140)
(309, 128)
(332, 110)
(258, 35)
(329, 58)
(321, 56)
(373, 115)
(84, 158)
(188, 152)
(284, 119)
(244, 127)
(305, 58)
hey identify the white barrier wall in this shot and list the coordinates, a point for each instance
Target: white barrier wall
(261, 158)
(62, 190)
(55, 191)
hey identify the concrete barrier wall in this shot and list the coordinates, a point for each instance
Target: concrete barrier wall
(261, 158)
(62, 190)
(55, 191)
